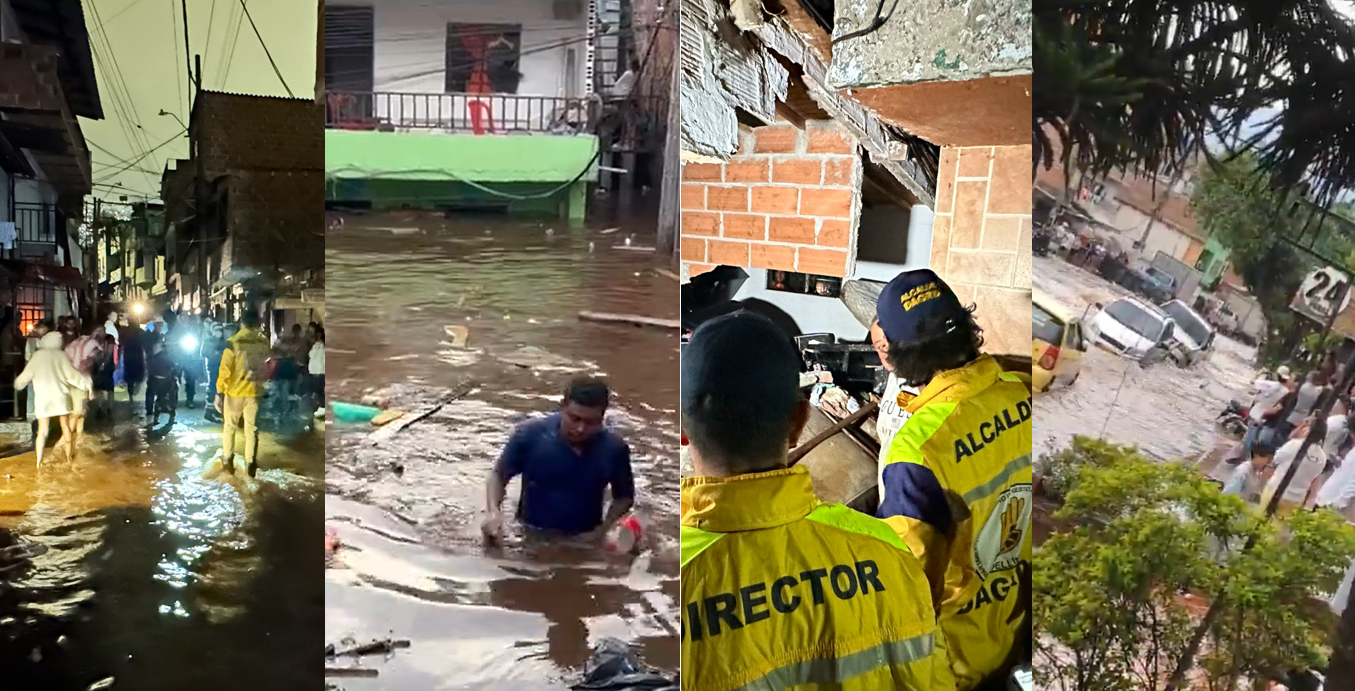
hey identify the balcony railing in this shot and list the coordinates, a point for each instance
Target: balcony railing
(476, 113)
(36, 227)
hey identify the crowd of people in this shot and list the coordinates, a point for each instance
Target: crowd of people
(71, 373)
(1286, 410)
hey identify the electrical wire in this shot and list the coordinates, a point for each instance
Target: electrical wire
(120, 12)
(875, 23)
(270, 53)
(235, 42)
(123, 104)
(143, 156)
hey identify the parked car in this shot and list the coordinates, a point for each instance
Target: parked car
(1057, 343)
(1134, 329)
(1153, 283)
(1193, 335)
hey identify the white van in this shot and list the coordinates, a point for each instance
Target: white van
(1193, 335)
(1133, 328)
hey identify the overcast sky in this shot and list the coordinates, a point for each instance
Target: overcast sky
(146, 40)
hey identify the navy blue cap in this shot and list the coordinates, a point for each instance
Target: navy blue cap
(913, 304)
(742, 357)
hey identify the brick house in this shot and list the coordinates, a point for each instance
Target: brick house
(795, 160)
(261, 228)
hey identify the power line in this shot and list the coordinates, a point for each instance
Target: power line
(265, 49)
(148, 153)
(121, 11)
(235, 41)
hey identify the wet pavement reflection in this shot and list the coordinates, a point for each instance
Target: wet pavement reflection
(486, 308)
(148, 571)
(1167, 411)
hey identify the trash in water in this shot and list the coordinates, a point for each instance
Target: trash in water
(458, 333)
(105, 683)
(532, 357)
(380, 647)
(615, 667)
(352, 412)
(387, 416)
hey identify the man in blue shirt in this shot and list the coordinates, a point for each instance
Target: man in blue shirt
(566, 461)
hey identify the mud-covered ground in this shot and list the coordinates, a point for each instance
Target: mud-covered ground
(484, 311)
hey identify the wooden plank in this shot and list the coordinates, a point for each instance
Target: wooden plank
(634, 319)
(668, 274)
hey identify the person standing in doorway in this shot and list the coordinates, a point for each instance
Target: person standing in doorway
(54, 382)
(238, 386)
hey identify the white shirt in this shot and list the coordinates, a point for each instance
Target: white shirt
(1311, 466)
(111, 329)
(317, 358)
(889, 420)
(1338, 428)
(1339, 489)
(1268, 393)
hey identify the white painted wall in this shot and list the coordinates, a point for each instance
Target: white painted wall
(411, 43)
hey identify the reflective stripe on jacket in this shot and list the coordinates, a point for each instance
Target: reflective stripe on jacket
(957, 489)
(780, 591)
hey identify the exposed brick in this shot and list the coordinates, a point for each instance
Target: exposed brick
(829, 203)
(702, 172)
(981, 268)
(1011, 189)
(800, 171)
(753, 170)
(693, 196)
(825, 262)
(773, 257)
(776, 139)
(968, 221)
(945, 181)
(776, 200)
(838, 171)
(1002, 233)
(833, 233)
(745, 226)
(693, 249)
(940, 243)
(694, 270)
(974, 162)
(830, 140)
(729, 253)
(695, 223)
(791, 229)
(727, 198)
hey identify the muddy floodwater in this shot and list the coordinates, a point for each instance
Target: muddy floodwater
(136, 572)
(482, 313)
(1167, 411)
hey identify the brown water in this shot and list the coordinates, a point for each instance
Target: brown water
(156, 577)
(412, 565)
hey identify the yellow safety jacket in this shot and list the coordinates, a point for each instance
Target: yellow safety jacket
(957, 489)
(780, 591)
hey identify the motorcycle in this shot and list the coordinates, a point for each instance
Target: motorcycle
(1234, 418)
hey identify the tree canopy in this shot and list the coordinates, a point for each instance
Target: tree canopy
(1148, 82)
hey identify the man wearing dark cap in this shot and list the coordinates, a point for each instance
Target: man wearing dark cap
(957, 476)
(779, 590)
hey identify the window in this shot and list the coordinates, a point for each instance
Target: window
(483, 58)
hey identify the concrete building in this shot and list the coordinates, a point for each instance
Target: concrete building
(814, 146)
(46, 81)
(511, 104)
(258, 230)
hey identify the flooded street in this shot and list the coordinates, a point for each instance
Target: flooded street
(1167, 411)
(481, 312)
(144, 575)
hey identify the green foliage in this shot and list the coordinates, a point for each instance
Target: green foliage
(1108, 602)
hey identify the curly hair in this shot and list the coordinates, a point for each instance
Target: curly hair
(955, 343)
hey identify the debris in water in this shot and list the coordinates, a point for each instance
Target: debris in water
(531, 357)
(550, 232)
(387, 416)
(458, 333)
(631, 319)
(380, 647)
(351, 672)
(105, 683)
(609, 231)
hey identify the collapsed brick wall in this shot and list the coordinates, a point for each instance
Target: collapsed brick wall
(981, 238)
(789, 199)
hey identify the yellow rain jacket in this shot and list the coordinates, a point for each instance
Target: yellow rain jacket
(780, 591)
(241, 364)
(957, 489)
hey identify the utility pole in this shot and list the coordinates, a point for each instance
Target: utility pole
(670, 189)
(187, 54)
(199, 195)
(320, 55)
